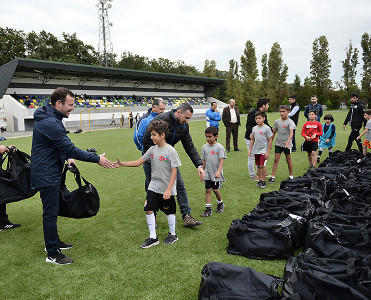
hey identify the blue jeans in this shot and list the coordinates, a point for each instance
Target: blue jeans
(182, 196)
(50, 199)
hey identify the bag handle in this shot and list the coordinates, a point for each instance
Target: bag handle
(77, 176)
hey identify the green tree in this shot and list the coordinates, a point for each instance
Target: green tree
(209, 69)
(349, 66)
(12, 44)
(366, 57)
(134, 62)
(249, 72)
(234, 86)
(320, 65)
(76, 51)
(264, 63)
(277, 74)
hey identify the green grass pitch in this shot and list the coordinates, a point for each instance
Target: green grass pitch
(109, 263)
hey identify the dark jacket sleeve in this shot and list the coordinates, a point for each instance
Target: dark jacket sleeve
(306, 111)
(225, 116)
(250, 123)
(347, 119)
(190, 149)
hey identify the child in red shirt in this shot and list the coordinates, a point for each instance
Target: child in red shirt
(312, 129)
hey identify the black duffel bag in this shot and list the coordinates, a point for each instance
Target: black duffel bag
(221, 281)
(15, 179)
(80, 203)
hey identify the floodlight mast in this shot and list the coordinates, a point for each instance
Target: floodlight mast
(105, 48)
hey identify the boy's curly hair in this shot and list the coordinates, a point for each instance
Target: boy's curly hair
(160, 127)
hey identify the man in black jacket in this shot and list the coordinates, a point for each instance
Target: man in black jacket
(262, 105)
(356, 118)
(51, 148)
(177, 120)
(294, 115)
(231, 120)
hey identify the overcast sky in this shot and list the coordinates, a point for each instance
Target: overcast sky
(195, 30)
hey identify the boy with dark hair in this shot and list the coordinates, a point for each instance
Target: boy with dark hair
(213, 155)
(367, 131)
(162, 188)
(260, 146)
(356, 119)
(312, 129)
(327, 139)
(284, 128)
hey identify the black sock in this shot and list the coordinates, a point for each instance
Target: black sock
(319, 153)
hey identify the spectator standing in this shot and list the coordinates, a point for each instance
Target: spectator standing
(113, 120)
(4, 220)
(356, 119)
(367, 131)
(213, 116)
(51, 147)
(137, 118)
(177, 121)
(231, 120)
(314, 105)
(131, 120)
(294, 115)
(262, 105)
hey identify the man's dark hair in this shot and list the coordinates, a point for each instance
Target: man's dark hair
(212, 103)
(262, 101)
(60, 94)
(313, 96)
(312, 111)
(368, 112)
(213, 130)
(354, 95)
(293, 97)
(285, 107)
(159, 126)
(156, 102)
(184, 107)
(260, 113)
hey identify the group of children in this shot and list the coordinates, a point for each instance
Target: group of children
(165, 160)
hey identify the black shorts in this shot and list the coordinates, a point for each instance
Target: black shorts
(215, 185)
(310, 146)
(279, 149)
(155, 201)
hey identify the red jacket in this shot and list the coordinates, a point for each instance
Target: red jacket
(311, 128)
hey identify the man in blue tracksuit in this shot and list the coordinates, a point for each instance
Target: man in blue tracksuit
(51, 148)
(158, 107)
(213, 116)
(314, 105)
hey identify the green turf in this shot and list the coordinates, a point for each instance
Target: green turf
(109, 263)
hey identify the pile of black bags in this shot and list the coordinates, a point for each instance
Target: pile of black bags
(327, 212)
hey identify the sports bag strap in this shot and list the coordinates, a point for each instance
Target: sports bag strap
(17, 158)
(63, 179)
(77, 176)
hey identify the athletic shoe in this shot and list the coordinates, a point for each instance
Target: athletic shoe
(59, 259)
(207, 212)
(190, 221)
(220, 208)
(263, 185)
(254, 178)
(170, 239)
(318, 159)
(309, 168)
(271, 180)
(259, 183)
(268, 176)
(64, 246)
(9, 225)
(149, 243)
(312, 168)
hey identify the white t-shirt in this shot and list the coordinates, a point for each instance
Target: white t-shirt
(233, 115)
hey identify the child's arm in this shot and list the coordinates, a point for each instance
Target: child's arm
(287, 144)
(270, 139)
(362, 134)
(134, 163)
(304, 133)
(167, 193)
(274, 133)
(319, 130)
(203, 164)
(219, 171)
(251, 144)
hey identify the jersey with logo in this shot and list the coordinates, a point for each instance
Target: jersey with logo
(283, 128)
(311, 128)
(261, 136)
(212, 154)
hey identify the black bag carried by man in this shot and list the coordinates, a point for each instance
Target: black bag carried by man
(80, 203)
(15, 178)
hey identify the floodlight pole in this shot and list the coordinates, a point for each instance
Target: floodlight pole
(104, 33)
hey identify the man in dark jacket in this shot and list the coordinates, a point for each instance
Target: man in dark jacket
(231, 120)
(314, 105)
(294, 115)
(262, 105)
(356, 118)
(51, 148)
(177, 120)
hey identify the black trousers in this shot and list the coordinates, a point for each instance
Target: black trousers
(3, 216)
(294, 141)
(352, 137)
(231, 129)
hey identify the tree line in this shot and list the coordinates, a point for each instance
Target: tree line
(243, 82)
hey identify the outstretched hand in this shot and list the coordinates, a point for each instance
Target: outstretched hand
(118, 163)
(105, 162)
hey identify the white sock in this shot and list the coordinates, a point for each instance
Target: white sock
(171, 222)
(273, 177)
(151, 221)
(208, 205)
(291, 176)
(217, 201)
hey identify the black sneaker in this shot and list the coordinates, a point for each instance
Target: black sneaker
(207, 212)
(271, 180)
(59, 258)
(9, 225)
(220, 208)
(259, 183)
(190, 221)
(149, 243)
(263, 185)
(170, 239)
(63, 246)
(318, 159)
